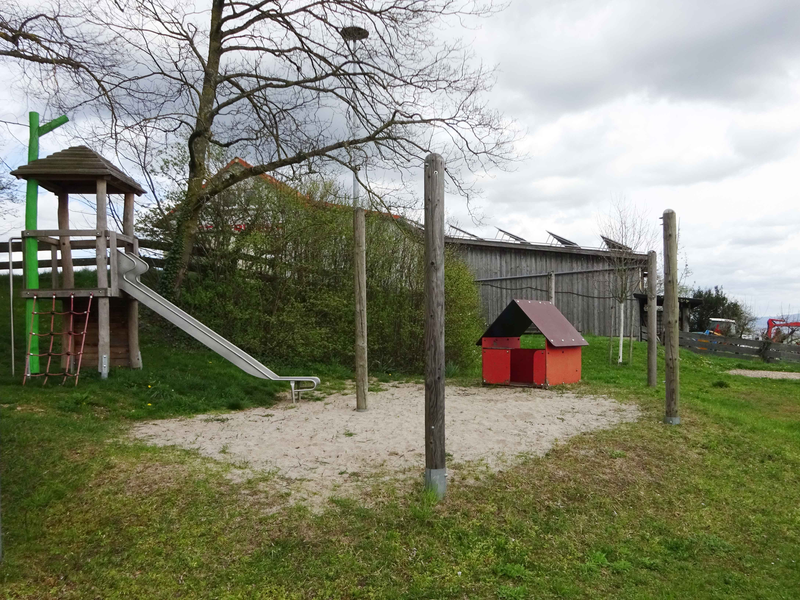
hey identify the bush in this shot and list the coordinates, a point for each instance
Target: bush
(276, 278)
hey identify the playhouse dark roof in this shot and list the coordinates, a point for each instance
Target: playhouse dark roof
(519, 315)
(76, 171)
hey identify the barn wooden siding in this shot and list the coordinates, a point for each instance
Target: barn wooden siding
(583, 281)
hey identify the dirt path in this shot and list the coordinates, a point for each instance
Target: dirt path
(326, 446)
(767, 374)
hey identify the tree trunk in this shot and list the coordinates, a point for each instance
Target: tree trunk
(177, 262)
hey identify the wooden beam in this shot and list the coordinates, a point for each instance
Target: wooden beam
(67, 268)
(66, 293)
(103, 317)
(133, 325)
(360, 280)
(652, 319)
(671, 325)
(41, 233)
(435, 458)
(54, 267)
(112, 261)
(127, 215)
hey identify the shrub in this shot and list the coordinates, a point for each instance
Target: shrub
(276, 277)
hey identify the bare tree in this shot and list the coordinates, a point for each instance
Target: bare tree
(10, 198)
(268, 80)
(627, 234)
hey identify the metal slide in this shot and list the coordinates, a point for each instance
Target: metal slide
(131, 267)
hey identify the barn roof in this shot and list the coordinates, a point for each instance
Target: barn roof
(76, 171)
(519, 315)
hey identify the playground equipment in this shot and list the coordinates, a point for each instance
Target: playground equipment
(109, 333)
(505, 363)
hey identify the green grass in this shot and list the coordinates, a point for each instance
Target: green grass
(708, 509)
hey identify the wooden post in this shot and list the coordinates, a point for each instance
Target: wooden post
(551, 287)
(671, 338)
(360, 277)
(127, 215)
(54, 267)
(630, 331)
(435, 462)
(611, 332)
(103, 323)
(652, 319)
(133, 305)
(67, 272)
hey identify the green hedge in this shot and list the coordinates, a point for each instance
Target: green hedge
(282, 288)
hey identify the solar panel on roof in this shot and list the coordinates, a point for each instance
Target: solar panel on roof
(562, 240)
(612, 245)
(516, 238)
(467, 233)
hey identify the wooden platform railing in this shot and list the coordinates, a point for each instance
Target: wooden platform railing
(738, 347)
(47, 243)
(62, 241)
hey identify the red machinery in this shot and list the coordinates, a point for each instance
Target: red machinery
(505, 363)
(772, 324)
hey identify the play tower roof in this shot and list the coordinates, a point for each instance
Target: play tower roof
(519, 315)
(76, 171)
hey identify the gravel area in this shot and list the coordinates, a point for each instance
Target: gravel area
(766, 374)
(325, 446)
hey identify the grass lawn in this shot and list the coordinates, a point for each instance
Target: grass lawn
(706, 509)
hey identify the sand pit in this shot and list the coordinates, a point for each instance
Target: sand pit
(765, 374)
(324, 447)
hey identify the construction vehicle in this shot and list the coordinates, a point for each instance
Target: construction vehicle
(773, 324)
(724, 327)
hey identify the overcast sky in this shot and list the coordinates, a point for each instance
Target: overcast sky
(679, 104)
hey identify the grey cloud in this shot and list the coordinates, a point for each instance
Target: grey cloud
(733, 51)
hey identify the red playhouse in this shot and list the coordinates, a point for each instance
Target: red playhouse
(505, 363)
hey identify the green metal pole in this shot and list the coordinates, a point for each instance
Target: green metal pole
(32, 245)
(31, 222)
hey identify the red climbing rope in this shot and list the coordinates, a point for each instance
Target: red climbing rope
(68, 334)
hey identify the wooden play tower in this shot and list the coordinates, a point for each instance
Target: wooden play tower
(103, 321)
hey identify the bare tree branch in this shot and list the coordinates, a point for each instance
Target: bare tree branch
(275, 83)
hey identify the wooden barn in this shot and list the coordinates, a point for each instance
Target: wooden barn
(583, 279)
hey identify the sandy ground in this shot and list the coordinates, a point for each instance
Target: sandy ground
(767, 374)
(324, 447)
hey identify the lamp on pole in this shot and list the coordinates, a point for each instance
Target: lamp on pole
(351, 36)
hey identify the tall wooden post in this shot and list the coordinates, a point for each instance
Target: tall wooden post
(435, 462)
(551, 287)
(360, 287)
(67, 273)
(103, 324)
(671, 338)
(652, 319)
(133, 305)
